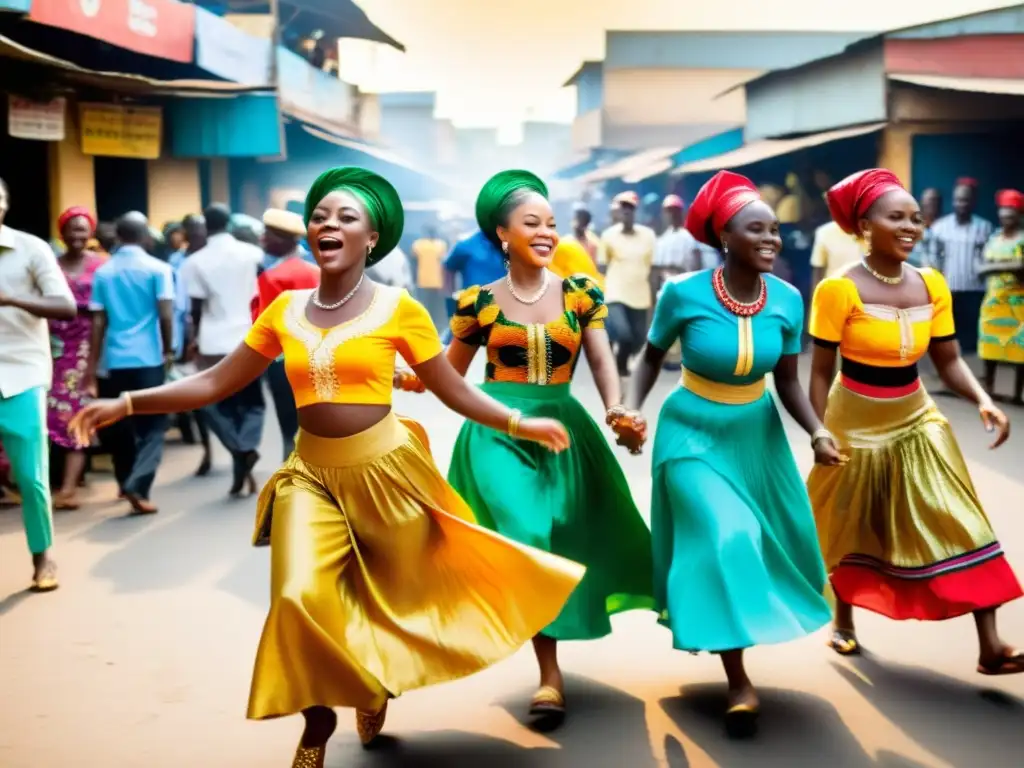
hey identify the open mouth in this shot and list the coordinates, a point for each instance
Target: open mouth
(767, 252)
(329, 244)
(542, 248)
(905, 241)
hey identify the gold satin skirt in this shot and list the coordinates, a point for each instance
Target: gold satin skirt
(380, 580)
(900, 526)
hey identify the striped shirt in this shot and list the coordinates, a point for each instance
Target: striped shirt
(675, 250)
(958, 249)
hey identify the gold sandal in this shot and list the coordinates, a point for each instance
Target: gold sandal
(370, 724)
(844, 642)
(309, 757)
(47, 581)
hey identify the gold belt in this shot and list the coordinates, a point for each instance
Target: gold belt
(729, 394)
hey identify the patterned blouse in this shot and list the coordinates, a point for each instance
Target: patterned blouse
(535, 353)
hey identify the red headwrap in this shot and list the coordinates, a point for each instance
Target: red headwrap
(850, 199)
(74, 212)
(717, 202)
(1010, 198)
(966, 181)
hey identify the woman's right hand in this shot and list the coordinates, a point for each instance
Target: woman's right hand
(548, 432)
(96, 415)
(407, 381)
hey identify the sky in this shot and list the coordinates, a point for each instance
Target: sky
(499, 62)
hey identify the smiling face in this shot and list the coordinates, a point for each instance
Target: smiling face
(752, 236)
(340, 233)
(76, 233)
(893, 225)
(530, 231)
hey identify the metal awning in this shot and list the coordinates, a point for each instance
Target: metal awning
(123, 82)
(1005, 86)
(335, 18)
(380, 153)
(629, 168)
(768, 148)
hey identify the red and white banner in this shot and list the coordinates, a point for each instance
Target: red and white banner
(161, 28)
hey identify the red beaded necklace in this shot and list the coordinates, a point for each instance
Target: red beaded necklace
(737, 307)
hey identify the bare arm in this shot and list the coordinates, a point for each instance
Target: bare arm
(645, 374)
(792, 395)
(954, 371)
(165, 307)
(46, 307)
(440, 377)
(195, 316)
(97, 336)
(460, 355)
(602, 364)
(243, 366)
(823, 370)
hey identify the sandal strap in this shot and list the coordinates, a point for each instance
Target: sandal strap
(548, 695)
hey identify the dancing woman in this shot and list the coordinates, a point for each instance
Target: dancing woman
(380, 582)
(736, 561)
(901, 528)
(577, 503)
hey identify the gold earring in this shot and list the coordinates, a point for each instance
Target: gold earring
(369, 250)
(504, 246)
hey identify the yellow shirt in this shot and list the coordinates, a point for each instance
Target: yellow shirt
(429, 255)
(877, 334)
(834, 250)
(354, 362)
(628, 259)
(571, 258)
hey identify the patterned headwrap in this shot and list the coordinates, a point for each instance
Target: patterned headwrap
(850, 199)
(722, 197)
(380, 199)
(494, 197)
(73, 213)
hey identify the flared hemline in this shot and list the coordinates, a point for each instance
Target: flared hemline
(616, 604)
(976, 581)
(768, 638)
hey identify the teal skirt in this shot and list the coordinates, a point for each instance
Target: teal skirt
(576, 504)
(736, 556)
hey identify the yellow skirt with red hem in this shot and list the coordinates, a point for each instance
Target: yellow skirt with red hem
(900, 525)
(380, 580)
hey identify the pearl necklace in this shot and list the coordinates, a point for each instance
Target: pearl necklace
(883, 278)
(520, 299)
(336, 305)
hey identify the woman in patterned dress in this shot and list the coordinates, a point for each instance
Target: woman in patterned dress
(70, 342)
(533, 325)
(1001, 325)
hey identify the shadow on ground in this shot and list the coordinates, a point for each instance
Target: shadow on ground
(795, 729)
(959, 723)
(607, 729)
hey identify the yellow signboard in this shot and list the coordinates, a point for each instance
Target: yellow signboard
(111, 130)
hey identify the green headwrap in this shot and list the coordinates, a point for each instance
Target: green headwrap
(380, 199)
(492, 204)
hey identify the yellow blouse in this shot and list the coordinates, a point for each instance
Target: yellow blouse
(537, 353)
(351, 363)
(571, 258)
(877, 334)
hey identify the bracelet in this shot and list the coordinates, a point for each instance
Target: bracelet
(821, 434)
(129, 409)
(514, 417)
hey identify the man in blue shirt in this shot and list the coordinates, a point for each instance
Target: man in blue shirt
(133, 323)
(476, 261)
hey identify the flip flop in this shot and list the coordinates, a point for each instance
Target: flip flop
(1011, 663)
(548, 705)
(844, 642)
(741, 721)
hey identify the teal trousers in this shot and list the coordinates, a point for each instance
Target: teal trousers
(23, 434)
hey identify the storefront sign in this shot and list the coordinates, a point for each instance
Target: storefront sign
(38, 120)
(225, 50)
(109, 130)
(161, 28)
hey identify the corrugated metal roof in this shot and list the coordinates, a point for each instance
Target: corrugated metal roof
(768, 148)
(630, 166)
(971, 84)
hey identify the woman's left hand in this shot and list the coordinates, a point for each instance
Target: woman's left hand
(629, 426)
(995, 421)
(827, 453)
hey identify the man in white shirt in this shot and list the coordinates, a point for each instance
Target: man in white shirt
(675, 254)
(833, 253)
(32, 290)
(222, 281)
(625, 254)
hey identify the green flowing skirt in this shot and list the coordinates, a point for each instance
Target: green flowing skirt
(576, 504)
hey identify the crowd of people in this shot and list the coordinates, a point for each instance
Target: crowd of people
(385, 575)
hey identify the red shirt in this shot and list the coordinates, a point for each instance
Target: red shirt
(290, 275)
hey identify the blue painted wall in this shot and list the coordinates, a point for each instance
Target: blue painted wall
(718, 144)
(589, 88)
(247, 125)
(994, 159)
(721, 50)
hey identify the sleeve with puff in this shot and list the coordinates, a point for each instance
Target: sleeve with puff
(830, 307)
(943, 328)
(263, 336)
(588, 301)
(667, 324)
(465, 324)
(419, 341)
